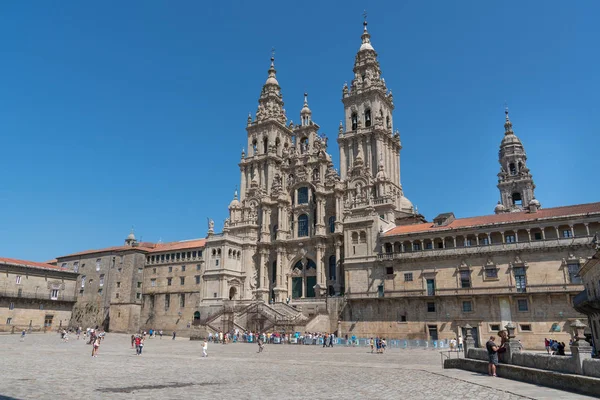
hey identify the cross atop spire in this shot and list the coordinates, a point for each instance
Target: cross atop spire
(507, 124)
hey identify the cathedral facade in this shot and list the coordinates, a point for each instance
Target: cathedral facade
(308, 248)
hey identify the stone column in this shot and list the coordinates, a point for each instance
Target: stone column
(580, 349)
(338, 253)
(469, 342)
(343, 160)
(243, 183)
(512, 345)
(320, 282)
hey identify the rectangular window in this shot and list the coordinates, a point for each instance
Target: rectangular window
(138, 295)
(83, 281)
(18, 280)
(198, 267)
(118, 284)
(389, 270)
(65, 265)
(11, 306)
(522, 305)
(494, 327)
(217, 262)
(168, 257)
(510, 239)
(169, 281)
(430, 287)
(429, 246)
(75, 266)
(526, 328)
(8, 321)
(116, 295)
(199, 253)
(162, 258)
(54, 294)
(403, 318)
(167, 301)
(467, 306)
(101, 283)
(41, 307)
(520, 279)
(537, 236)
(566, 233)
(98, 262)
(215, 294)
(468, 243)
(140, 270)
(416, 246)
(465, 279)
(193, 254)
(177, 256)
(491, 272)
(139, 285)
(189, 254)
(573, 271)
(303, 195)
(170, 269)
(182, 300)
(197, 279)
(183, 268)
(440, 245)
(152, 282)
(19, 292)
(485, 241)
(153, 270)
(182, 280)
(408, 277)
(430, 306)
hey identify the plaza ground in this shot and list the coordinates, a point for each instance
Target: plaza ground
(43, 367)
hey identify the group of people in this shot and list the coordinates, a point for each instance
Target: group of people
(557, 348)
(378, 344)
(456, 343)
(138, 342)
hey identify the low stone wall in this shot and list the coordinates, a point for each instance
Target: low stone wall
(573, 383)
(591, 367)
(478, 354)
(547, 362)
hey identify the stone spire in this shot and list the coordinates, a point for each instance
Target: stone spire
(305, 113)
(515, 181)
(270, 102)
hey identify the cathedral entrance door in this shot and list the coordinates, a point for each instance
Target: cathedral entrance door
(311, 281)
(296, 287)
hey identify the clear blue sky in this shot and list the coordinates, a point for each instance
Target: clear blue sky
(115, 114)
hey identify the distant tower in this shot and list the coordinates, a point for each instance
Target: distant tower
(131, 240)
(515, 182)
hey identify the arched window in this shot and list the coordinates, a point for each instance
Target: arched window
(303, 195)
(332, 275)
(254, 147)
(303, 225)
(229, 255)
(512, 169)
(387, 122)
(354, 237)
(354, 121)
(517, 200)
(275, 229)
(332, 224)
(368, 118)
(363, 237)
(388, 248)
(196, 315)
(265, 145)
(274, 272)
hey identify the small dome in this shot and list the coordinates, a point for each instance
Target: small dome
(271, 81)
(366, 46)
(499, 208)
(131, 236)
(511, 139)
(406, 205)
(234, 203)
(534, 202)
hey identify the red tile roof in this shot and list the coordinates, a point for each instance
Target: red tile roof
(183, 245)
(496, 219)
(31, 264)
(146, 247)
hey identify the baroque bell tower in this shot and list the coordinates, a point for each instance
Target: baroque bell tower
(515, 181)
(369, 147)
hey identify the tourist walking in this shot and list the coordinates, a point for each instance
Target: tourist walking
(96, 347)
(260, 344)
(23, 335)
(142, 345)
(132, 341)
(492, 350)
(460, 343)
(204, 349)
(138, 341)
(160, 333)
(372, 344)
(174, 334)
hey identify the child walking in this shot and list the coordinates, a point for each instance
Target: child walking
(204, 349)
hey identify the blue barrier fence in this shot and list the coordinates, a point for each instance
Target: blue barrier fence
(364, 342)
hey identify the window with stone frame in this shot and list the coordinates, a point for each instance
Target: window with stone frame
(182, 300)
(467, 306)
(430, 306)
(303, 195)
(98, 262)
(520, 279)
(566, 233)
(465, 278)
(522, 305)
(303, 225)
(408, 277)
(491, 272)
(167, 301)
(510, 239)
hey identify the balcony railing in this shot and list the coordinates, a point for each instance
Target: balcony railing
(484, 249)
(37, 295)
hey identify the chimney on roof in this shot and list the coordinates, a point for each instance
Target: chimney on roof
(444, 219)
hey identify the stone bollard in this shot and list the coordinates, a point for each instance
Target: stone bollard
(512, 345)
(580, 349)
(469, 342)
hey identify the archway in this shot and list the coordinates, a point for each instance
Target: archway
(304, 279)
(232, 293)
(196, 315)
